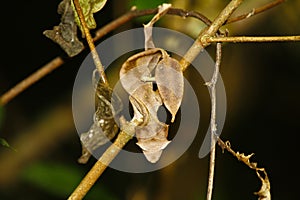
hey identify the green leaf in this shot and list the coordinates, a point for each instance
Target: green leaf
(60, 180)
(89, 7)
(4, 143)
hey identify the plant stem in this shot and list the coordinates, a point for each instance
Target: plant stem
(99, 167)
(200, 44)
(58, 61)
(264, 192)
(255, 11)
(237, 39)
(33, 78)
(213, 125)
(90, 42)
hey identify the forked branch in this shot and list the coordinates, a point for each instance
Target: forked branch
(204, 39)
(211, 31)
(95, 173)
(58, 61)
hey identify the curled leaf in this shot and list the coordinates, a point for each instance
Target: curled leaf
(65, 34)
(170, 83)
(162, 10)
(104, 127)
(137, 69)
(136, 76)
(152, 134)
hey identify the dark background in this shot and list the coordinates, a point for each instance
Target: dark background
(262, 87)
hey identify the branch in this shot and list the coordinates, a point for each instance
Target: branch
(58, 61)
(200, 44)
(237, 39)
(109, 155)
(95, 172)
(33, 78)
(90, 42)
(213, 125)
(123, 138)
(255, 11)
(264, 192)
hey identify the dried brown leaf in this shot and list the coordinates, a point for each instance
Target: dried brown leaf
(170, 83)
(104, 127)
(65, 34)
(137, 68)
(152, 134)
(135, 73)
(162, 10)
(136, 76)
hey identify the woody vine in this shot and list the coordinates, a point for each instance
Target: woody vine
(66, 36)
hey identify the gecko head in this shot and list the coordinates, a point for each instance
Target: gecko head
(152, 148)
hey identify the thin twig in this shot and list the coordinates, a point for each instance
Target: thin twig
(202, 40)
(90, 42)
(33, 78)
(264, 192)
(200, 44)
(237, 39)
(97, 170)
(175, 11)
(95, 173)
(255, 11)
(133, 13)
(213, 125)
(99, 167)
(58, 61)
